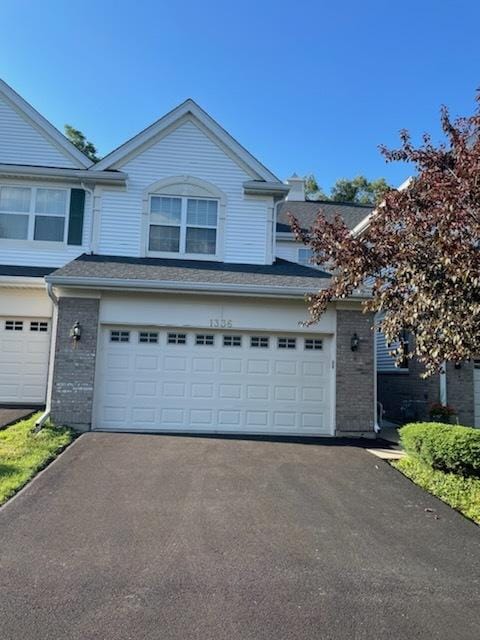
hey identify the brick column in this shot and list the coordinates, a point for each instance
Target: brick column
(74, 366)
(355, 412)
(460, 392)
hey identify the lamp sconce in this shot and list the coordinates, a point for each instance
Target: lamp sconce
(354, 342)
(76, 332)
(458, 365)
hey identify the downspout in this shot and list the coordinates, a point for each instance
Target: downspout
(443, 384)
(46, 414)
(376, 405)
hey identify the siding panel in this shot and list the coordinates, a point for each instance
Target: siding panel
(185, 151)
(22, 143)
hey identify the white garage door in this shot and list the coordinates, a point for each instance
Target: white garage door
(205, 381)
(24, 350)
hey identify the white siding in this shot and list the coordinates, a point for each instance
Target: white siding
(34, 253)
(22, 143)
(186, 151)
(288, 250)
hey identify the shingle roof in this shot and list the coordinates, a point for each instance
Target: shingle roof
(280, 274)
(25, 272)
(306, 213)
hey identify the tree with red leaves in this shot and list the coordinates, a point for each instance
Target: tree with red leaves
(419, 252)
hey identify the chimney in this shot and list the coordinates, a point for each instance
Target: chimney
(297, 189)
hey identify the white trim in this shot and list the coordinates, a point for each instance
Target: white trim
(189, 107)
(42, 123)
(22, 282)
(53, 173)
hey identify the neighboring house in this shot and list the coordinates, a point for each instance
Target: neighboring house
(405, 396)
(171, 302)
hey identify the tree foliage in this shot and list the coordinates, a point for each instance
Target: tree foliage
(357, 190)
(79, 140)
(420, 251)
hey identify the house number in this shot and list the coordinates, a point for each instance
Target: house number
(220, 323)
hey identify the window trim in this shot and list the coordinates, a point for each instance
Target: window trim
(30, 239)
(185, 187)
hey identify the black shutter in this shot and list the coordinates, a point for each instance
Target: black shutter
(75, 218)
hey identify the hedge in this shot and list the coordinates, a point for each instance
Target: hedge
(450, 448)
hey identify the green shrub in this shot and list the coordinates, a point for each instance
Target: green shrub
(450, 448)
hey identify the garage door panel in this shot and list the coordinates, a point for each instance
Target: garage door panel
(193, 385)
(24, 352)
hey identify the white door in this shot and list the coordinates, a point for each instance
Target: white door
(24, 351)
(205, 381)
(476, 391)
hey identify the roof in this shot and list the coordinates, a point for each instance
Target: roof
(25, 272)
(44, 125)
(192, 109)
(306, 213)
(119, 271)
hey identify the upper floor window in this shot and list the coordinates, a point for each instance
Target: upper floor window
(33, 213)
(183, 225)
(305, 256)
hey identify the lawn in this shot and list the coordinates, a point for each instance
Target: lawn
(23, 453)
(463, 494)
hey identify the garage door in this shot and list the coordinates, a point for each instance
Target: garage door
(178, 380)
(24, 351)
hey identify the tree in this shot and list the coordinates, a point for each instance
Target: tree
(79, 140)
(420, 250)
(312, 189)
(359, 190)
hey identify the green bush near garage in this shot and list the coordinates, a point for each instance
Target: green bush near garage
(448, 448)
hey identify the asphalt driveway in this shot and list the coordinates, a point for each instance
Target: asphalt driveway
(157, 537)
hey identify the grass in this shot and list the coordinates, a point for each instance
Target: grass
(461, 493)
(23, 453)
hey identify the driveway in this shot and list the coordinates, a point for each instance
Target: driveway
(11, 414)
(156, 537)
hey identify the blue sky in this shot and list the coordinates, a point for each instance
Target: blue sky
(305, 86)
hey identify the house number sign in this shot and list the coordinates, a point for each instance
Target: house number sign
(220, 323)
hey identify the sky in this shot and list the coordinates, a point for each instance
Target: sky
(307, 87)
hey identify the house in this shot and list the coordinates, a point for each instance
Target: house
(405, 396)
(160, 289)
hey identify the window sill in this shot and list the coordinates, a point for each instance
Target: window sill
(53, 245)
(394, 372)
(184, 256)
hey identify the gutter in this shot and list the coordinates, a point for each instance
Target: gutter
(188, 287)
(46, 414)
(100, 177)
(258, 187)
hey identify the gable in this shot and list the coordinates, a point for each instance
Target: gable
(185, 150)
(188, 111)
(26, 138)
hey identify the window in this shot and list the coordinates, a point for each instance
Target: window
(313, 344)
(13, 325)
(33, 213)
(148, 337)
(287, 343)
(39, 326)
(204, 339)
(232, 341)
(119, 336)
(259, 341)
(305, 256)
(177, 338)
(183, 225)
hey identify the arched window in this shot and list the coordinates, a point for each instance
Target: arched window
(185, 218)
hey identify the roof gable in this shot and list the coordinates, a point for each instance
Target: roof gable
(27, 138)
(188, 110)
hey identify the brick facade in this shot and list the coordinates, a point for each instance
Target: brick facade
(74, 369)
(408, 397)
(355, 408)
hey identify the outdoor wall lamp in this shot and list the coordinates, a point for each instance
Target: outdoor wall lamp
(354, 342)
(76, 332)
